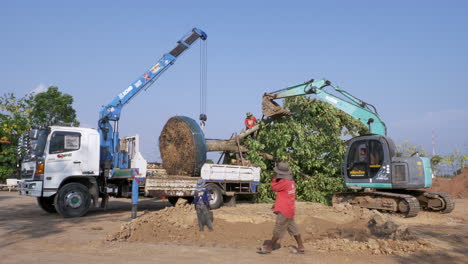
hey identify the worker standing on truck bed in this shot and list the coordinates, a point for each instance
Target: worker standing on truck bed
(284, 208)
(202, 206)
(250, 120)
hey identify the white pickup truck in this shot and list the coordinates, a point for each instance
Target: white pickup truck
(224, 182)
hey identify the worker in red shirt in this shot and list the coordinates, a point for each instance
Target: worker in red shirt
(250, 121)
(284, 208)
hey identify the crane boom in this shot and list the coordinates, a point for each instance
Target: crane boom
(111, 112)
(362, 111)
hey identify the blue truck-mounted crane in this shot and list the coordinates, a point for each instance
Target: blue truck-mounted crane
(111, 159)
(381, 179)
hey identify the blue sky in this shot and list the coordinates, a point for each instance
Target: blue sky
(408, 58)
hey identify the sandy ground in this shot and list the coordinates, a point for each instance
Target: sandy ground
(167, 234)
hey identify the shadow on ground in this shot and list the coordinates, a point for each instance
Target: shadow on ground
(22, 219)
(454, 238)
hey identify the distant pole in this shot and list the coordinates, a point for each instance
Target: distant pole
(135, 183)
(431, 115)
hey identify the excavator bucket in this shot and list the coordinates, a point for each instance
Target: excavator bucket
(271, 109)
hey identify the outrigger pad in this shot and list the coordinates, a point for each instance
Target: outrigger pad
(271, 109)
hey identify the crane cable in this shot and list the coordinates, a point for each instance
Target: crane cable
(203, 81)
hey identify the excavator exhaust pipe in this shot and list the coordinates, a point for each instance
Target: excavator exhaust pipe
(272, 109)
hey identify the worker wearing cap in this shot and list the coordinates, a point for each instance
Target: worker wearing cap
(284, 208)
(202, 205)
(250, 120)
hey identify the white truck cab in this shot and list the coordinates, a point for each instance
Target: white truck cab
(70, 152)
(57, 156)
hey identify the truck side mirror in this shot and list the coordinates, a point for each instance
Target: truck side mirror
(34, 134)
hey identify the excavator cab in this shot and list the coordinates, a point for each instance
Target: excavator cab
(371, 162)
(387, 182)
(367, 160)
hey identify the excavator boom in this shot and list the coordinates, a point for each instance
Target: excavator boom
(357, 108)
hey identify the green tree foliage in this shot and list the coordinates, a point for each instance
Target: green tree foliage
(53, 108)
(436, 160)
(14, 120)
(17, 115)
(311, 140)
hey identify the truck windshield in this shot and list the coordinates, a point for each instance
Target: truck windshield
(38, 142)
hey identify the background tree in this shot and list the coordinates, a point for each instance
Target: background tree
(436, 161)
(455, 162)
(406, 149)
(14, 120)
(311, 140)
(53, 108)
(17, 115)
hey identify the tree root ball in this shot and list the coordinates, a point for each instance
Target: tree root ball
(182, 146)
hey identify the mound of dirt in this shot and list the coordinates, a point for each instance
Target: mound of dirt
(457, 186)
(383, 227)
(177, 148)
(322, 228)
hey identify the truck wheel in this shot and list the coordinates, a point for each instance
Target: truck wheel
(72, 200)
(230, 201)
(216, 196)
(47, 204)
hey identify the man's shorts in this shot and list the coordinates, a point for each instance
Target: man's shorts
(282, 224)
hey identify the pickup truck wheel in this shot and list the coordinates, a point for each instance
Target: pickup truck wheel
(47, 204)
(216, 196)
(72, 200)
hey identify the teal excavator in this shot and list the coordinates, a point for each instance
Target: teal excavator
(376, 177)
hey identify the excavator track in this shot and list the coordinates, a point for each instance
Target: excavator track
(433, 201)
(449, 203)
(404, 204)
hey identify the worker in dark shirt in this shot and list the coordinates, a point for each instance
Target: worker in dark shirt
(202, 205)
(284, 208)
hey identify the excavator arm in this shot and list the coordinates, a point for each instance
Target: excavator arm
(362, 111)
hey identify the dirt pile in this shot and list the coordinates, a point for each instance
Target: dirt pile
(457, 186)
(381, 226)
(168, 224)
(323, 228)
(177, 148)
